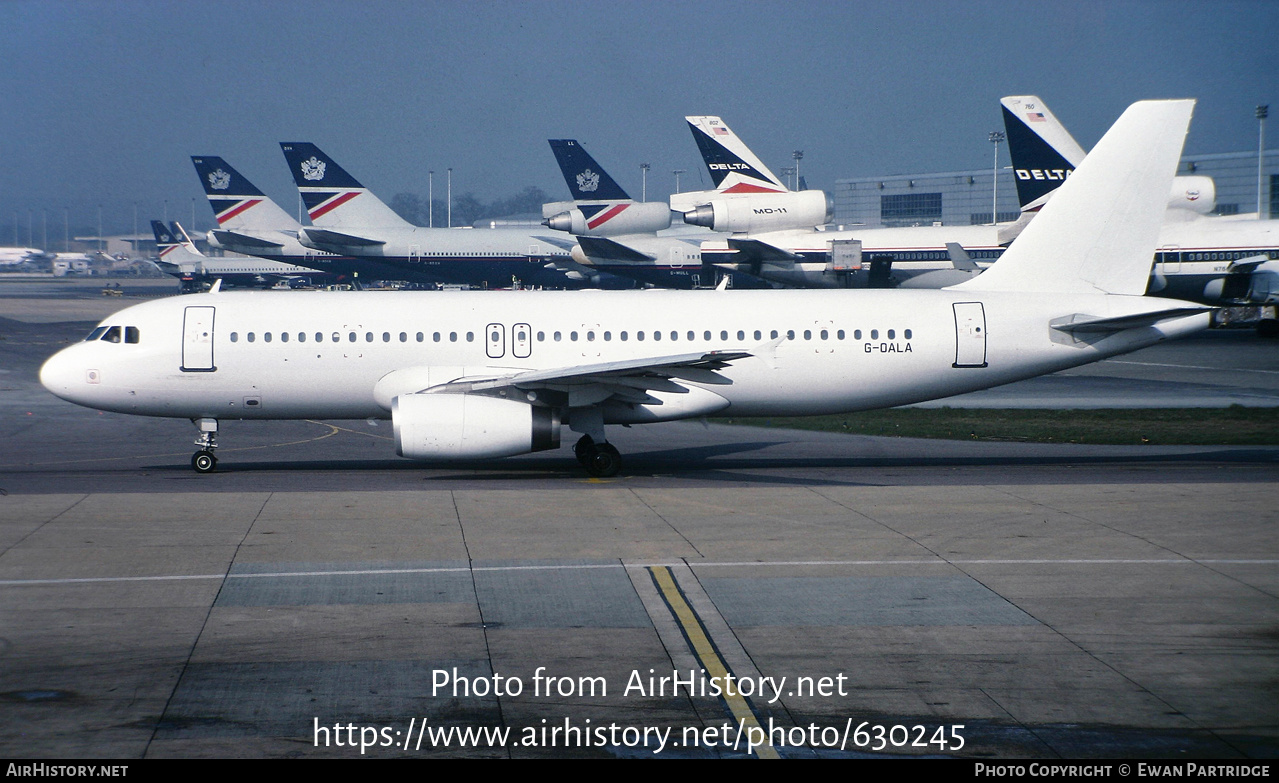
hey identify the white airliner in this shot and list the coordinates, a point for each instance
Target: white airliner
(180, 257)
(17, 255)
(477, 375)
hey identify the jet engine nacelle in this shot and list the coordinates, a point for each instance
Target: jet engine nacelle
(752, 212)
(1197, 194)
(470, 426)
(612, 219)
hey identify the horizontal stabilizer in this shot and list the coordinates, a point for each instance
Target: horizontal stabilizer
(231, 238)
(756, 251)
(960, 259)
(607, 249)
(321, 236)
(1090, 325)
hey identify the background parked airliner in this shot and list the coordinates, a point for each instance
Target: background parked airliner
(347, 218)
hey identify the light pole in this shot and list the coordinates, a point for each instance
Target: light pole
(1262, 113)
(644, 167)
(677, 172)
(798, 155)
(450, 183)
(430, 199)
(996, 138)
(789, 173)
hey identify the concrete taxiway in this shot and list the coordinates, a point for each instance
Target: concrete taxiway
(945, 598)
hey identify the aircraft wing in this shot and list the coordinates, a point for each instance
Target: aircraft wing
(322, 236)
(231, 238)
(626, 381)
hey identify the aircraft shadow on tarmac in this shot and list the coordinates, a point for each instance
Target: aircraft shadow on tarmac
(718, 462)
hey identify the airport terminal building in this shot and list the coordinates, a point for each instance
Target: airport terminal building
(962, 198)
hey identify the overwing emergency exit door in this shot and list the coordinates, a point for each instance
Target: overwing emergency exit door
(496, 336)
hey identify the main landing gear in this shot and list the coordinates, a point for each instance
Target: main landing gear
(599, 459)
(203, 460)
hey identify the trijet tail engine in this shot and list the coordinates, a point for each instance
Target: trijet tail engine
(611, 218)
(752, 212)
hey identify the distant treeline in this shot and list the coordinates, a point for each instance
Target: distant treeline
(467, 208)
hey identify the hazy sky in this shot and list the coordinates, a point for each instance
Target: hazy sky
(105, 102)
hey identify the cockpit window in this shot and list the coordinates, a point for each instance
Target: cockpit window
(95, 334)
(131, 334)
(112, 335)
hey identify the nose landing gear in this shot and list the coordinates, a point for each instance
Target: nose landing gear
(203, 460)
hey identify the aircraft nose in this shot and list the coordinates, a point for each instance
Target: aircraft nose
(61, 374)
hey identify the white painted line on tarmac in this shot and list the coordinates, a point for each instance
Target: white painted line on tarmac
(670, 563)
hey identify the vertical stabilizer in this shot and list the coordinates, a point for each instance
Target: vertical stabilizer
(237, 203)
(333, 198)
(587, 180)
(1099, 231)
(733, 167)
(176, 252)
(1043, 152)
